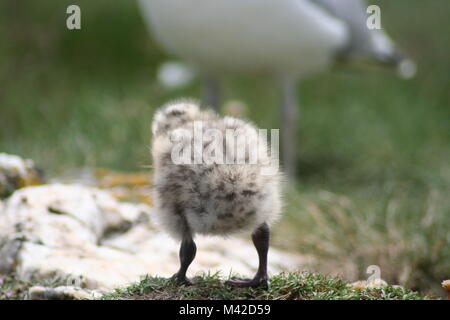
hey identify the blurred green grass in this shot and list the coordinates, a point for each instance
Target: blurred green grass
(70, 99)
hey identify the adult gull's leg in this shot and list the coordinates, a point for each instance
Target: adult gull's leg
(212, 96)
(288, 126)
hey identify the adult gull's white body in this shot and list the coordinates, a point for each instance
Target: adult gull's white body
(273, 36)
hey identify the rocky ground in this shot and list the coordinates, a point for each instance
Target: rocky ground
(92, 241)
(91, 235)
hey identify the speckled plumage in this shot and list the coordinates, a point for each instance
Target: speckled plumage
(210, 198)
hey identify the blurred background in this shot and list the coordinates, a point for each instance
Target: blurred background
(374, 171)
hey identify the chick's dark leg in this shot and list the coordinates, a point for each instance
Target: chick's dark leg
(188, 250)
(261, 241)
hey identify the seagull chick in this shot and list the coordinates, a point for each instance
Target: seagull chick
(211, 178)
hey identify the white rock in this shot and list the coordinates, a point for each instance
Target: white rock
(16, 172)
(372, 284)
(62, 293)
(65, 231)
(15, 163)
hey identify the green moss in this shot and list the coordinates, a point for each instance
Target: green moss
(284, 286)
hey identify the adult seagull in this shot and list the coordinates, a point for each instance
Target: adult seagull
(286, 39)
